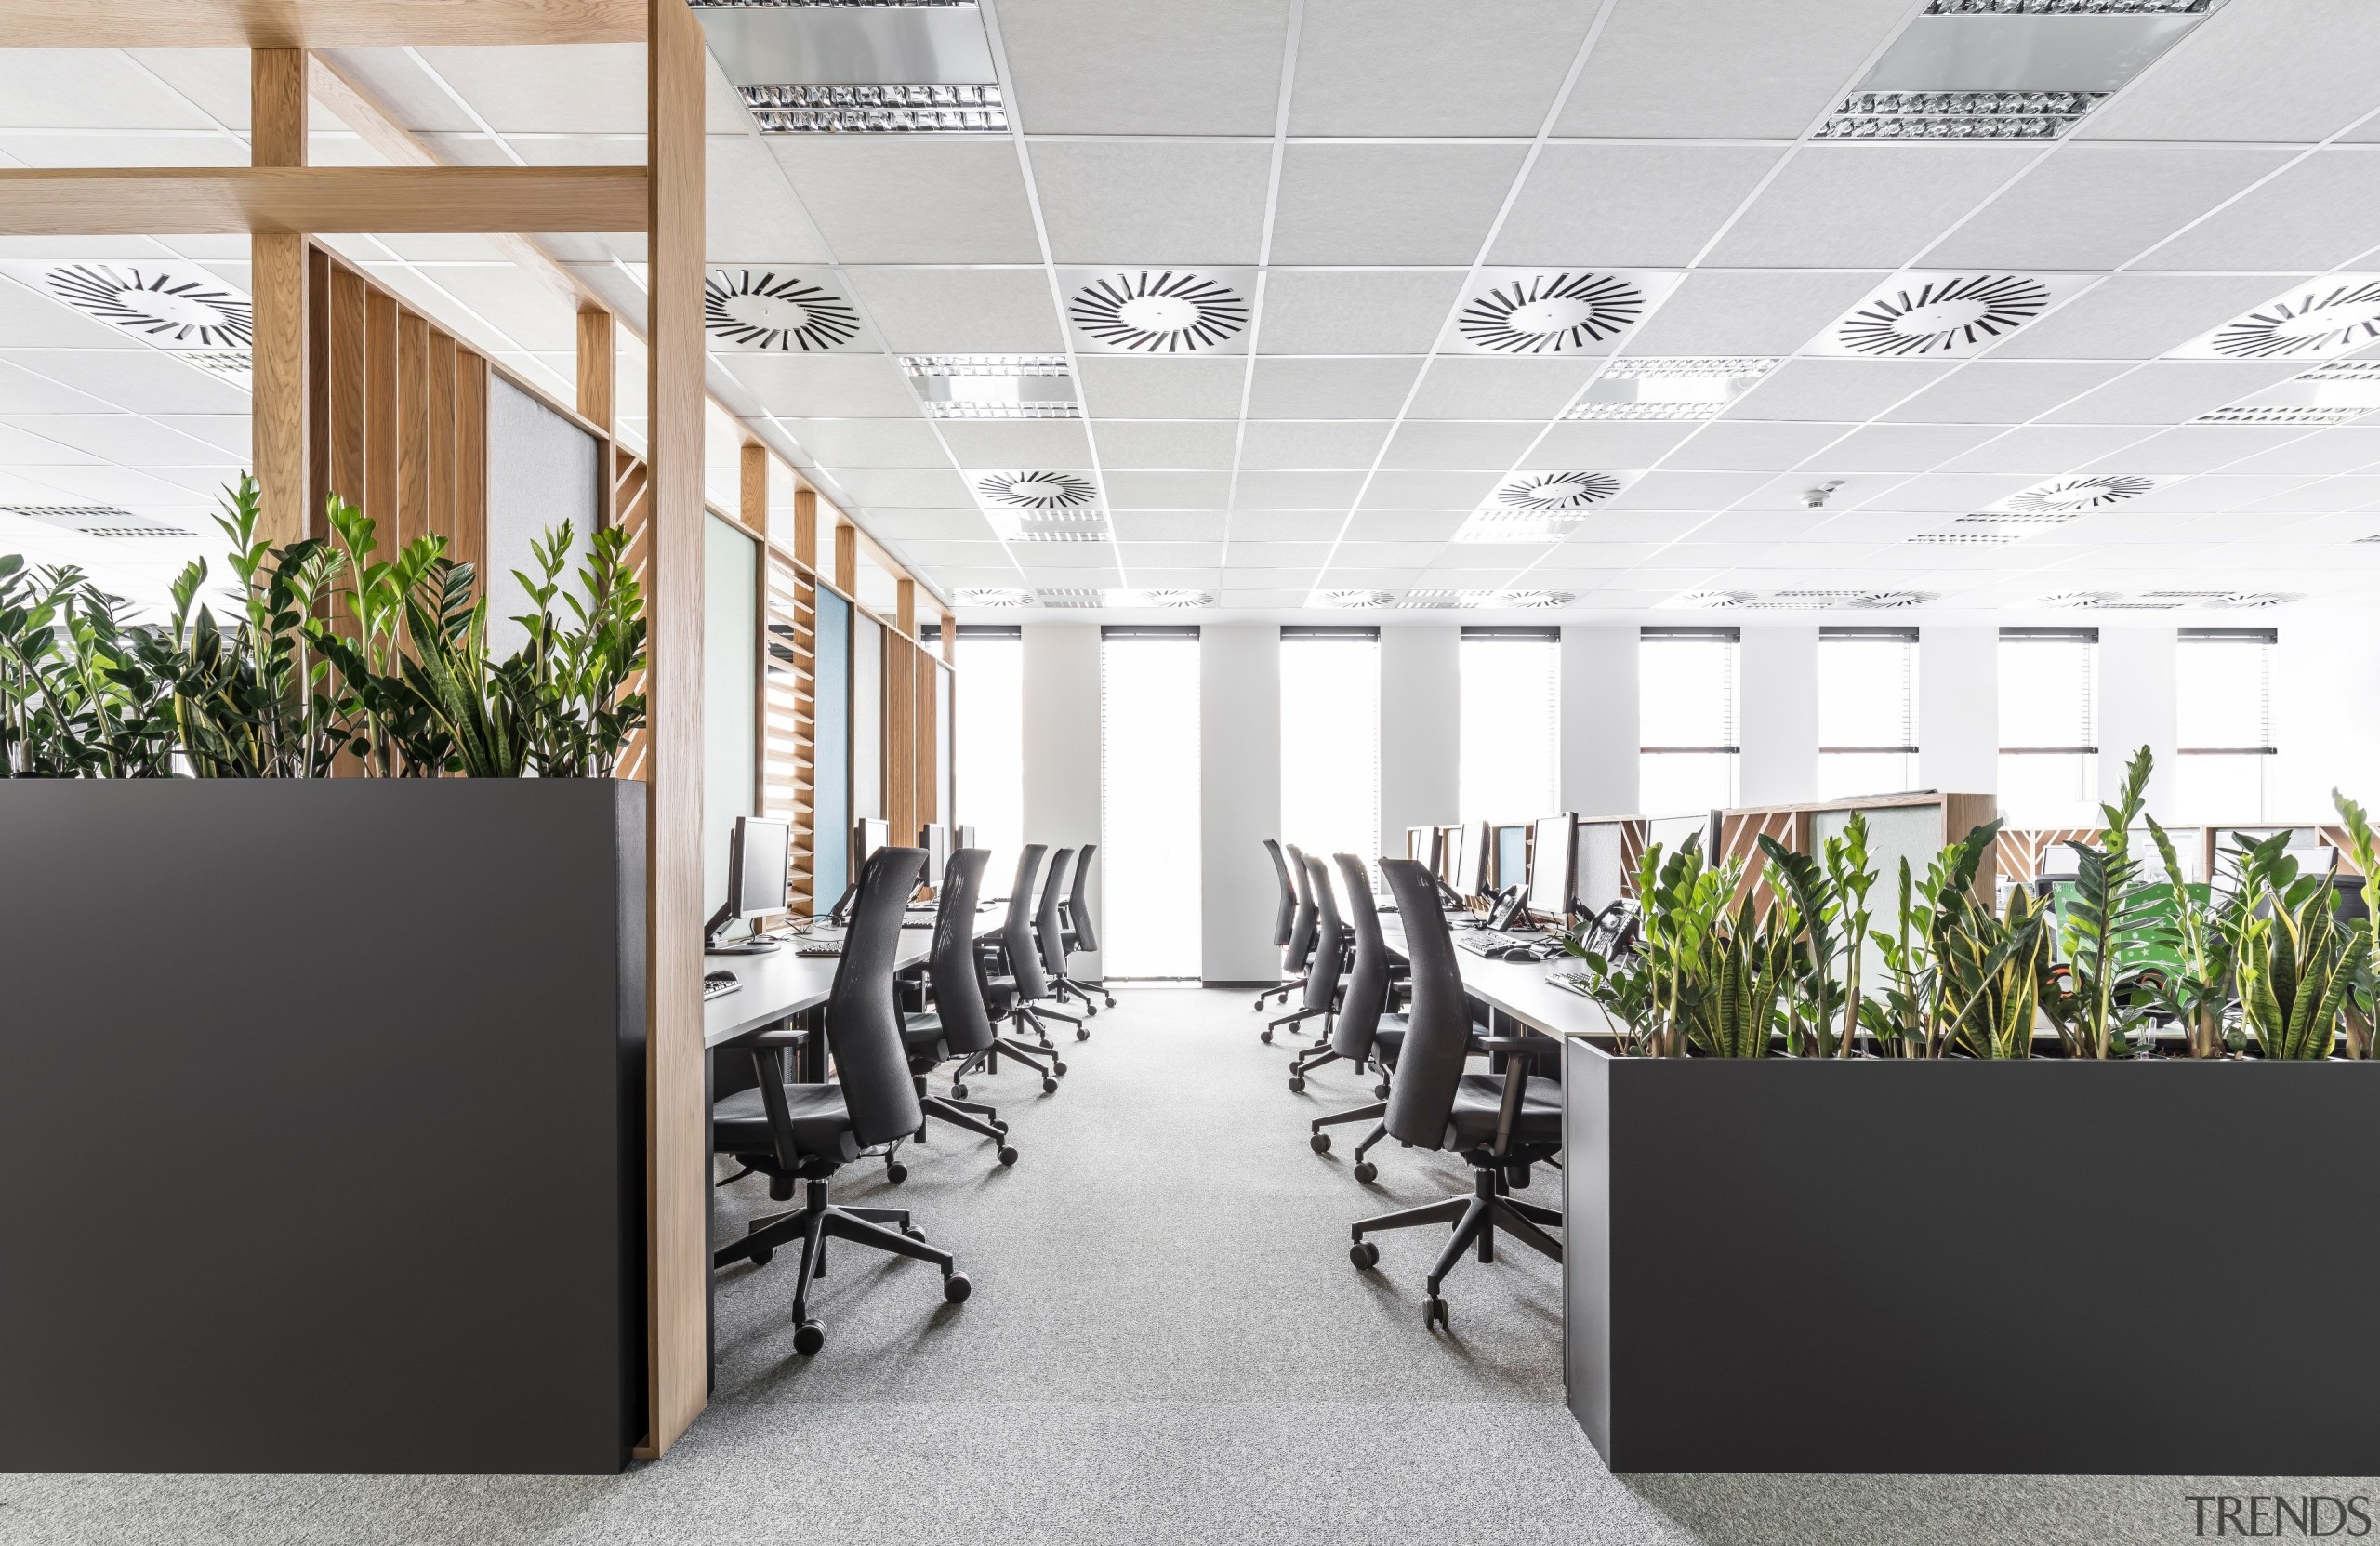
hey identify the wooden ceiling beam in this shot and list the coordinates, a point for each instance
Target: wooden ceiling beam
(316, 24)
(147, 201)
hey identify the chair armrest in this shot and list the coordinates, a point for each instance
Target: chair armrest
(1513, 1043)
(784, 1036)
(1516, 1089)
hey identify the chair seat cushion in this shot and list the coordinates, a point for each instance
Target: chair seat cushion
(1388, 1038)
(1480, 1097)
(999, 996)
(822, 1124)
(922, 1034)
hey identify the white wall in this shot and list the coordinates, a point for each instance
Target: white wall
(1776, 680)
(1958, 709)
(2137, 707)
(2325, 686)
(1420, 707)
(1239, 781)
(1599, 735)
(1061, 694)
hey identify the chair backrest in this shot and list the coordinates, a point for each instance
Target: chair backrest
(863, 1014)
(1322, 976)
(958, 987)
(1286, 914)
(1366, 996)
(1016, 934)
(1300, 943)
(1052, 933)
(1079, 904)
(1437, 1030)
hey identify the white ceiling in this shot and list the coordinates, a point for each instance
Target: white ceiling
(1358, 169)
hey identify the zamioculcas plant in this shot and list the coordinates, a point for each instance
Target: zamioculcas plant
(1817, 1021)
(2297, 974)
(1909, 1019)
(1661, 994)
(2104, 933)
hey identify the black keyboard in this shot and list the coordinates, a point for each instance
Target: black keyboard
(818, 949)
(719, 990)
(1481, 940)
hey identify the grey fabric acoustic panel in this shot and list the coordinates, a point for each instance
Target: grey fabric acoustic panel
(543, 472)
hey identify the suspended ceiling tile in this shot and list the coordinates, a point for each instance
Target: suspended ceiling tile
(1837, 390)
(1016, 443)
(1356, 311)
(1353, 388)
(1723, 69)
(2316, 215)
(1493, 387)
(1409, 489)
(961, 310)
(1153, 202)
(1730, 445)
(2004, 392)
(1143, 66)
(1389, 202)
(1422, 443)
(1168, 445)
(1865, 206)
(1414, 68)
(2093, 206)
(2170, 391)
(2044, 450)
(1292, 445)
(2248, 74)
(2139, 316)
(932, 199)
(1747, 312)
(1115, 386)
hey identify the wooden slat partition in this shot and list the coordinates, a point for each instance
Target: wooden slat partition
(788, 711)
(632, 508)
(400, 420)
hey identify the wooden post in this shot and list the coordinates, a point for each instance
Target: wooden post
(905, 605)
(805, 527)
(597, 361)
(277, 280)
(678, 1170)
(752, 491)
(950, 639)
(847, 558)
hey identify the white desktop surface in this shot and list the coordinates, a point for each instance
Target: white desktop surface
(781, 982)
(1519, 988)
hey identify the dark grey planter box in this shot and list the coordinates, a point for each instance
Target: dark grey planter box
(2043, 1267)
(321, 1125)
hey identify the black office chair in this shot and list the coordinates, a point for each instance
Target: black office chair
(1050, 941)
(806, 1132)
(1014, 993)
(1500, 1123)
(958, 1026)
(1365, 1030)
(1298, 942)
(1329, 945)
(1080, 937)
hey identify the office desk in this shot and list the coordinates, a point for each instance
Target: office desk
(781, 983)
(1519, 991)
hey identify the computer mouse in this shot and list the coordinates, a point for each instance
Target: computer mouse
(721, 976)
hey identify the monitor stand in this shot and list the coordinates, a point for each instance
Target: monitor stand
(714, 945)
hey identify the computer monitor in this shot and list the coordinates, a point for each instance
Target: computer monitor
(759, 881)
(934, 838)
(1469, 876)
(1510, 851)
(1422, 847)
(966, 837)
(1553, 871)
(873, 833)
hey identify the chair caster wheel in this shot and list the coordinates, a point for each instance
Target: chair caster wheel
(912, 1231)
(896, 1173)
(1048, 1084)
(1111, 1003)
(760, 1257)
(1082, 1033)
(1380, 1092)
(956, 1287)
(1058, 1068)
(808, 1338)
(1364, 1254)
(958, 1091)
(1434, 1311)
(1320, 1143)
(1296, 1084)
(1366, 1171)
(1090, 1009)
(999, 1126)
(1008, 1156)
(1264, 1034)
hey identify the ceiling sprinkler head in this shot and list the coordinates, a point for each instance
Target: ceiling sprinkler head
(1816, 498)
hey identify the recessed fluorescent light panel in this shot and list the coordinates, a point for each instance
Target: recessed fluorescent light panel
(1669, 387)
(2312, 322)
(1553, 311)
(1157, 311)
(2008, 69)
(859, 68)
(994, 386)
(105, 521)
(1068, 598)
(1936, 316)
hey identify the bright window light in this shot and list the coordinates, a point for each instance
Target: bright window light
(1509, 715)
(1331, 743)
(1866, 711)
(1149, 857)
(1690, 750)
(2223, 712)
(990, 752)
(2049, 726)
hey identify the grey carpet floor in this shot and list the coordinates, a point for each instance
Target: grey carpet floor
(1166, 1343)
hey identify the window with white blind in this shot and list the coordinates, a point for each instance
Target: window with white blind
(1148, 786)
(2049, 726)
(1509, 716)
(1866, 711)
(1331, 741)
(989, 755)
(2223, 720)
(1689, 748)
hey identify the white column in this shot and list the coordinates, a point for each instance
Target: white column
(1958, 709)
(2137, 709)
(1062, 722)
(1239, 778)
(1421, 713)
(2325, 673)
(1600, 734)
(1778, 681)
